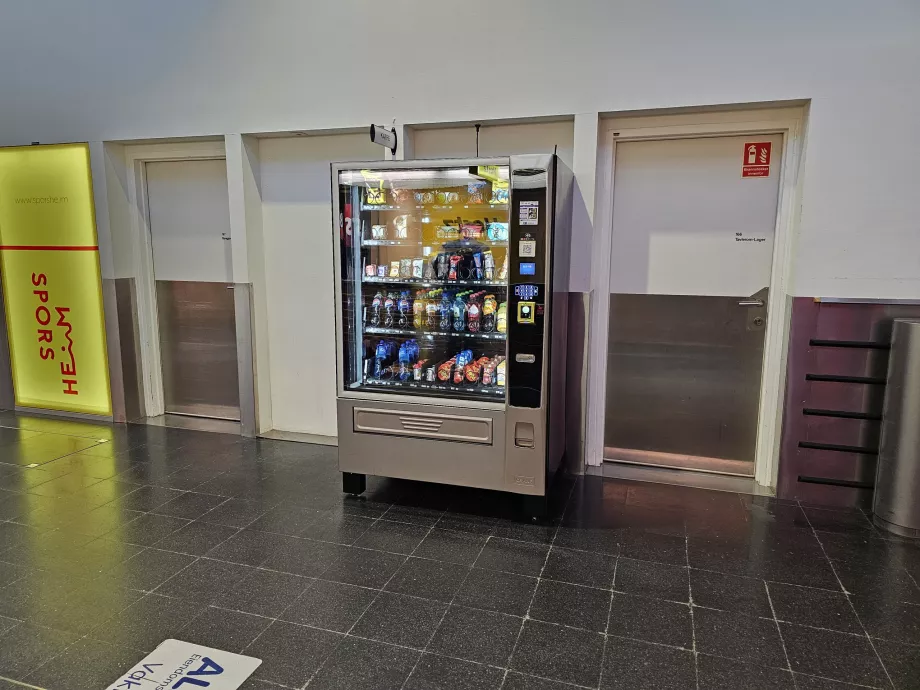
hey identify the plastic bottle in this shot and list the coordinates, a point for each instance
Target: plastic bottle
(458, 313)
(501, 318)
(445, 309)
(376, 308)
(389, 310)
(431, 310)
(419, 307)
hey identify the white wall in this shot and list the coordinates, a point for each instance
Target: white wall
(498, 140)
(297, 236)
(108, 70)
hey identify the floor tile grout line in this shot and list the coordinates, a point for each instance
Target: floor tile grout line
(600, 680)
(20, 683)
(537, 587)
(852, 606)
(449, 604)
(779, 632)
(696, 666)
(376, 597)
(278, 618)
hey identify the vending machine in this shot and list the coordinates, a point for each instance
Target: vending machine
(451, 291)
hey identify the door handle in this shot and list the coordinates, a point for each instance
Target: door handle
(751, 303)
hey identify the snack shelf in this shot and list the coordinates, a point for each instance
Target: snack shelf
(497, 391)
(412, 243)
(377, 330)
(435, 207)
(435, 283)
(391, 243)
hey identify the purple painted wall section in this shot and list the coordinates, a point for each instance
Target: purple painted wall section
(841, 324)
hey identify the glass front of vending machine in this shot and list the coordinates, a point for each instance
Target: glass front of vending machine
(445, 317)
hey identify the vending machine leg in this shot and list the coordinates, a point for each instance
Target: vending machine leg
(354, 484)
(534, 506)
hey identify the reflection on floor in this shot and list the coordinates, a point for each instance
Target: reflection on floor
(122, 537)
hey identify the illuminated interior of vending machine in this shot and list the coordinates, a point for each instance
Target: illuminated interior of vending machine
(428, 312)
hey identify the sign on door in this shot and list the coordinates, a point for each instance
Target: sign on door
(756, 159)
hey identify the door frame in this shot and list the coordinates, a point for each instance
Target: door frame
(136, 159)
(788, 122)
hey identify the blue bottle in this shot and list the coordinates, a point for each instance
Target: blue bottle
(445, 311)
(458, 314)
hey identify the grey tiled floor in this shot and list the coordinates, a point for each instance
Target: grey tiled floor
(119, 538)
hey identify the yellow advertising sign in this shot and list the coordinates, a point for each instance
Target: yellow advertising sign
(49, 262)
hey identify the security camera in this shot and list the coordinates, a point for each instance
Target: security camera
(385, 137)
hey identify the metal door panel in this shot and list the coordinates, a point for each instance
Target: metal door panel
(692, 254)
(683, 378)
(198, 349)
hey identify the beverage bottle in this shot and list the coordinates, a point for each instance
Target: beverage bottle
(418, 309)
(376, 307)
(389, 310)
(381, 354)
(489, 307)
(473, 312)
(445, 310)
(458, 313)
(431, 310)
(404, 308)
(501, 318)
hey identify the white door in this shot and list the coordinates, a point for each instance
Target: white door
(189, 211)
(189, 217)
(692, 249)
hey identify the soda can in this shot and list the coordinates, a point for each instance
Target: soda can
(431, 374)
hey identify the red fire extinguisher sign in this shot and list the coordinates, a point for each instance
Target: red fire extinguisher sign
(755, 161)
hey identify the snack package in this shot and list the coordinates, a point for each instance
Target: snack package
(500, 193)
(476, 267)
(370, 270)
(405, 268)
(453, 272)
(401, 196)
(381, 270)
(401, 225)
(446, 369)
(418, 268)
(394, 269)
(497, 231)
(378, 232)
(475, 192)
(503, 274)
(472, 229)
(375, 196)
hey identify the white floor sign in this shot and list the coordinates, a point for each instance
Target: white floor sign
(177, 665)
